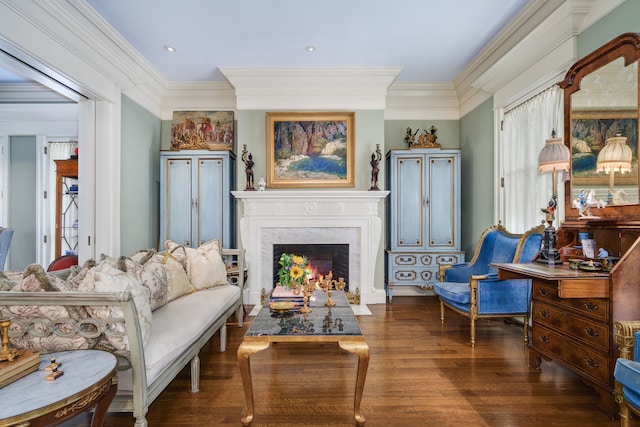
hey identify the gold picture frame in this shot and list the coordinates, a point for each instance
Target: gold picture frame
(202, 130)
(310, 149)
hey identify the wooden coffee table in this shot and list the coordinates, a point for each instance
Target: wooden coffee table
(337, 324)
(88, 380)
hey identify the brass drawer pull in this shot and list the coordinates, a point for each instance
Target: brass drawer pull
(545, 339)
(589, 305)
(592, 363)
(591, 332)
(544, 292)
(544, 314)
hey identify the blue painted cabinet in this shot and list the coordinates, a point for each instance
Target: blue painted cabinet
(423, 215)
(196, 204)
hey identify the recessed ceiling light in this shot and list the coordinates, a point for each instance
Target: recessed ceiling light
(309, 48)
(169, 48)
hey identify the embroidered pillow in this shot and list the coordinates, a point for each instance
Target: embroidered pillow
(107, 278)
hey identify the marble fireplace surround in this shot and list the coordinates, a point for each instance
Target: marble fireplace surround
(312, 216)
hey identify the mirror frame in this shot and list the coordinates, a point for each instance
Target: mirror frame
(625, 46)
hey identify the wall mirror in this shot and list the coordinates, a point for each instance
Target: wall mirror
(601, 130)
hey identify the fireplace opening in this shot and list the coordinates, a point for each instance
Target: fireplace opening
(323, 258)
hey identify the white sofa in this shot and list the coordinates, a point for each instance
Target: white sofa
(179, 329)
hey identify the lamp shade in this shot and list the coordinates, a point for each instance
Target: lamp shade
(554, 156)
(615, 156)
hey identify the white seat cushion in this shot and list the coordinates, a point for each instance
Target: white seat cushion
(179, 324)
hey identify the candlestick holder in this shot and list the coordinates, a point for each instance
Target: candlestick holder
(327, 285)
(307, 290)
(7, 353)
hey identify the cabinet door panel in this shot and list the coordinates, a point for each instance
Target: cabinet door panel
(208, 216)
(441, 203)
(409, 213)
(178, 201)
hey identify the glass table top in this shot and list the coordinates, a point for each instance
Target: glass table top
(338, 320)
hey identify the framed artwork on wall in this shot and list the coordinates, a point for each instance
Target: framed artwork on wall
(310, 150)
(202, 130)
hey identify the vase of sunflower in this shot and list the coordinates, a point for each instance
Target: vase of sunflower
(293, 270)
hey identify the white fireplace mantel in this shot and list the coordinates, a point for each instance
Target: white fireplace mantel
(312, 216)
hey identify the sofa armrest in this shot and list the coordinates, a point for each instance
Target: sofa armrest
(625, 337)
(124, 300)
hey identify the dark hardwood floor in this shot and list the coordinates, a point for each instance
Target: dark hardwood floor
(421, 374)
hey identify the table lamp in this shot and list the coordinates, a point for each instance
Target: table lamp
(553, 157)
(615, 156)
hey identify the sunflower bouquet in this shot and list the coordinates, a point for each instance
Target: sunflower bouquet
(293, 270)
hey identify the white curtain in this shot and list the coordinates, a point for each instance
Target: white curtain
(524, 131)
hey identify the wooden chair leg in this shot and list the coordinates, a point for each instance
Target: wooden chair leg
(473, 332)
(526, 329)
(625, 415)
(441, 312)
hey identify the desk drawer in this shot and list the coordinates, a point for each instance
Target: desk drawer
(584, 330)
(588, 362)
(597, 308)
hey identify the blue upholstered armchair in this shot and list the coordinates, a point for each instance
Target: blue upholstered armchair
(473, 289)
(5, 241)
(627, 370)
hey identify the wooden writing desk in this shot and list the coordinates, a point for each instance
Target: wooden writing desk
(572, 322)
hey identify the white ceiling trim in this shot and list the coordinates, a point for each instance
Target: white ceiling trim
(422, 101)
(213, 96)
(352, 88)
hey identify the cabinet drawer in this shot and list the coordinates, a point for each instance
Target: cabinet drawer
(588, 362)
(597, 308)
(448, 259)
(401, 275)
(586, 331)
(424, 259)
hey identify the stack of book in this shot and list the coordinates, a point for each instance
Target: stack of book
(26, 363)
(281, 293)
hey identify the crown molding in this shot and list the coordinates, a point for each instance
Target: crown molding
(357, 88)
(212, 96)
(531, 50)
(421, 101)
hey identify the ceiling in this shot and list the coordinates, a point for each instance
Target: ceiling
(431, 40)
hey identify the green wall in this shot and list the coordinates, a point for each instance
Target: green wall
(22, 202)
(140, 184)
(623, 19)
(476, 144)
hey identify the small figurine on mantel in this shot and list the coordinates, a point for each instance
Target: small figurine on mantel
(262, 184)
(248, 163)
(428, 139)
(375, 169)
(409, 138)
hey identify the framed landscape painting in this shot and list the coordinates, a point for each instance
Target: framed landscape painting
(202, 130)
(312, 150)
